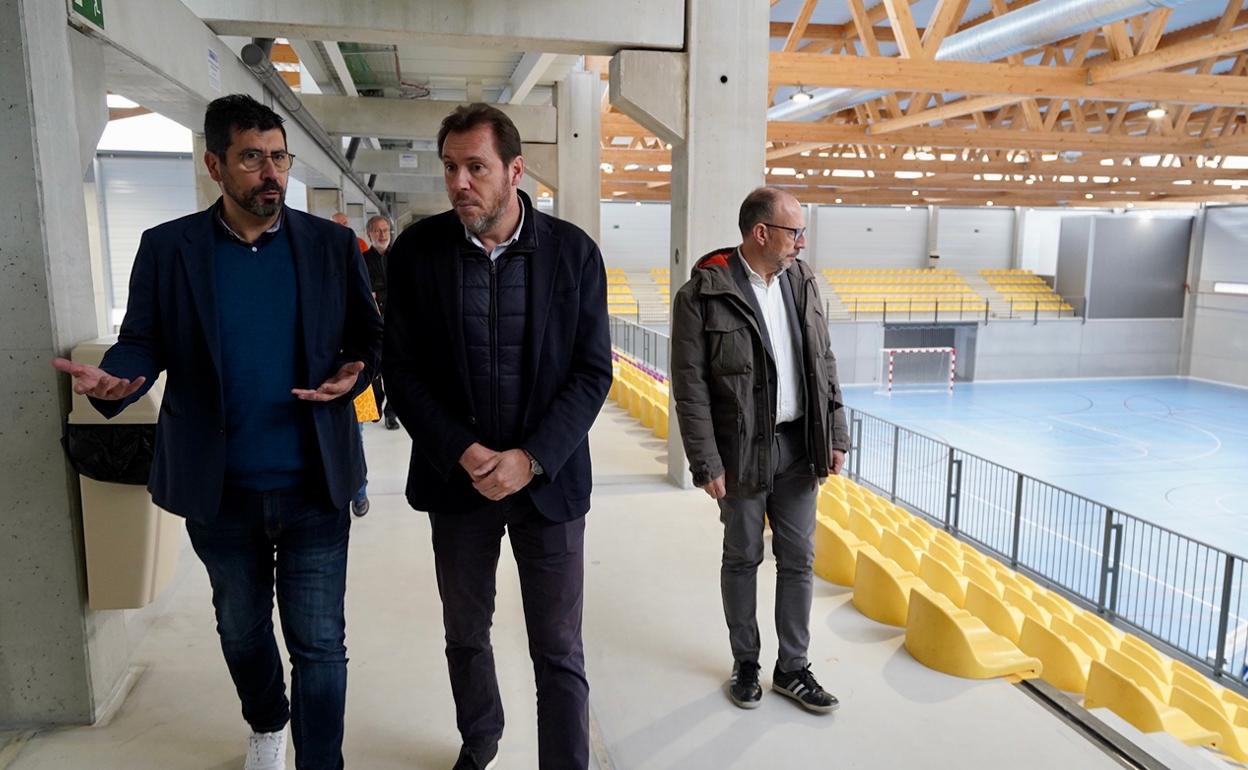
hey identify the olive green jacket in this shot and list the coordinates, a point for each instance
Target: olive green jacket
(723, 374)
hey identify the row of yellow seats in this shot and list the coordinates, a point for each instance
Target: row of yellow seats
(1005, 271)
(887, 271)
(622, 308)
(904, 307)
(618, 289)
(1025, 290)
(642, 396)
(949, 291)
(617, 280)
(891, 552)
(894, 281)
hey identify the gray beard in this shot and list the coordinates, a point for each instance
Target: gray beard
(264, 210)
(486, 222)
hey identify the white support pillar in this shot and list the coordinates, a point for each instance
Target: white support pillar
(324, 201)
(578, 190)
(1020, 232)
(206, 188)
(60, 662)
(711, 104)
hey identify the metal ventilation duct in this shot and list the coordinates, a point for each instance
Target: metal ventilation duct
(1036, 25)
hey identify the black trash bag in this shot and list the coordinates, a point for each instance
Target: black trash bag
(121, 454)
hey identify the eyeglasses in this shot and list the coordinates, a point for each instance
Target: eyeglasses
(253, 160)
(798, 232)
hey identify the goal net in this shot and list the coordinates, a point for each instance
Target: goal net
(914, 370)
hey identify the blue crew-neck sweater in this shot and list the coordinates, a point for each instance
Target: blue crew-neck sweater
(270, 439)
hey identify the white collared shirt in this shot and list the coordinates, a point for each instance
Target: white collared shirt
(501, 248)
(779, 331)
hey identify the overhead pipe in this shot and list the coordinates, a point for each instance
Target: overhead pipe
(1036, 25)
(256, 60)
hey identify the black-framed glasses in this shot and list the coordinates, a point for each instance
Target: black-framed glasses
(253, 160)
(798, 232)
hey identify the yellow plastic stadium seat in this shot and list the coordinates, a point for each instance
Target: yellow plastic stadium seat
(836, 552)
(1056, 605)
(946, 539)
(882, 588)
(983, 579)
(943, 554)
(1110, 689)
(892, 546)
(970, 554)
(940, 578)
(1065, 665)
(996, 614)
(1234, 698)
(1137, 672)
(1009, 579)
(865, 528)
(1232, 740)
(911, 535)
(833, 507)
(1147, 656)
(1064, 628)
(1100, 630)
(950, 640)
(1016, 599)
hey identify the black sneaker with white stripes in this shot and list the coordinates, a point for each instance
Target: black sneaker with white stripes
(801, 686)
(743, 688)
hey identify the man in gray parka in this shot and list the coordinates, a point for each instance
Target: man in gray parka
(763, 422)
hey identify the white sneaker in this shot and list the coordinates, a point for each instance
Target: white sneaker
(266, 751)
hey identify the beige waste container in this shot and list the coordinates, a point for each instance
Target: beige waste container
(131, 545)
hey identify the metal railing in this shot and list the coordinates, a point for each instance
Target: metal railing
(646, 345)
(1187, 596)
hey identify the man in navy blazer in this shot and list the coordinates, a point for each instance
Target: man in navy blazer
(264, 320)
(497, 360)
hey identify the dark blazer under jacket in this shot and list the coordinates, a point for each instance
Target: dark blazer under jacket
(171, 325)
(567, 360)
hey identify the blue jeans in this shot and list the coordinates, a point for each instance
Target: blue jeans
(301, 539)
(362, 494)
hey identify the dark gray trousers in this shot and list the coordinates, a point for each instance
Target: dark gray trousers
(790, 509)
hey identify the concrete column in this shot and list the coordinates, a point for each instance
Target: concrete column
(711, 104)
(60, 663)
(1020, 231)
(933, 233)
(812, 235)
(324, 201)
(206, 188)
(578, 189)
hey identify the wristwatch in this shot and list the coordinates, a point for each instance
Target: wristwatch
(534, 466)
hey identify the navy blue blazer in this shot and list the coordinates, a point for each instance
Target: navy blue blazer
(171, 325)
(567, 361)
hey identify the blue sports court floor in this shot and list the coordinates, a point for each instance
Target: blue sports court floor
(1173, 451)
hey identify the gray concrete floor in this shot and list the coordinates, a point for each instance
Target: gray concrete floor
(656, 645)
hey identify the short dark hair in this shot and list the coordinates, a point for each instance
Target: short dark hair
(469, 116)
(236, 112)
(758, 206)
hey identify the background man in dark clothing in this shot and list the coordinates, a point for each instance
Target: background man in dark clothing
(379, 232)
(263, 319)
(761, 419)
(497, 360)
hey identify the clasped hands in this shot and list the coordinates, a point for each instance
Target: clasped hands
(496, 475)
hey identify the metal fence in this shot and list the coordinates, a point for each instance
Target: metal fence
(1186, 595)
(645, 345)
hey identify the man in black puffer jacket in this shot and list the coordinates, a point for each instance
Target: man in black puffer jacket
(497, 359)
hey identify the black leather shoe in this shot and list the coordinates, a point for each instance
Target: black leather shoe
(392, 422)
(477, 759)
(743, 688)
(359, 507)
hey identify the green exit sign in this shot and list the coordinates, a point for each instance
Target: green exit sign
(91, 10)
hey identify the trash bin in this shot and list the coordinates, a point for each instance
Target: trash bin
(131, 545)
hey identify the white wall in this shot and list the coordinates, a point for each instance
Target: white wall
(973, 239)
(870, 236)
(857, 350)
(636, 236)
(1219, 345)
(1017, 350)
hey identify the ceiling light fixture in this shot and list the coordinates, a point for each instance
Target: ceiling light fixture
(1156, 113)
(801, 95)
